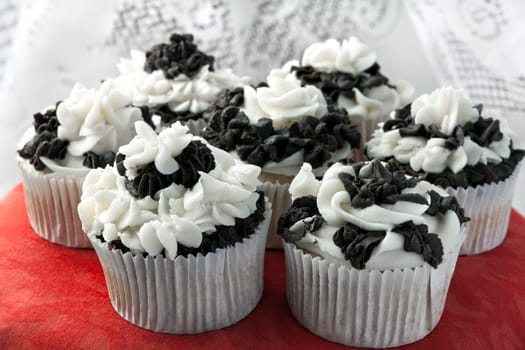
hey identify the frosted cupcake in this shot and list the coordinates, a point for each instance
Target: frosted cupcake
(82, 132)
(179, 229)
(370, 254)
(462, 148)
(350, 77)
(278, 126)
(177, 81)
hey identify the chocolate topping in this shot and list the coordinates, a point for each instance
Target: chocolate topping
(357, 244)
(418, 240)
(338, 83)
(168, 117)
(45, 143)
(93, 160)
(441, 205)
(302, 208)
(148, 181)
(383, 186)
(223, 237)
(469, 176)
(230, 129)
(180, 56)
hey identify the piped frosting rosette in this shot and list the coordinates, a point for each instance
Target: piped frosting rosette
(350, 77)
(82, 132)
(176, 80)
(278, 126)
(176, 210)
(366, 235)
(463, 148)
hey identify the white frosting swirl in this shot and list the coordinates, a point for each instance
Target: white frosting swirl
(352, 56)
(176, 215)
(431, 155)
(445, 107)
(334, 204)
(284, 100)
(96, 120)
(161, 149)
(181, 93)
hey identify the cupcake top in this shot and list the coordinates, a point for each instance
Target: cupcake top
(443, 136)
(280, 124)
(371, 217)
(84, 131)
(176, 80)
(349, 77)
(171, 194)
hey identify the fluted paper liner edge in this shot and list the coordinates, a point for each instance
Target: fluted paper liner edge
(488, 207)
(186, 295)
(51, 202)
(281, 200)
(367, 308)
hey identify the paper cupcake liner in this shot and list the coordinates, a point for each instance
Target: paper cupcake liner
(51, 201)
(196, 126)
(281, 200)
(366, 308)
(489, 208)
(366, 127)
(186, 295)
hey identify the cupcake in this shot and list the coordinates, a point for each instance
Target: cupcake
(179, 228)
(177, 81)
(462, 148)
(82, 132)
(349, 77)
(278, 126)
(369, 254)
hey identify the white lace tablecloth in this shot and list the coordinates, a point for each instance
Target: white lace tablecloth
(48, 45)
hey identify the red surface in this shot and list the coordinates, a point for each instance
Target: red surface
(55, 298)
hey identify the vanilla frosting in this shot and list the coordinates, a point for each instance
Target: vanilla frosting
(445, 109)
(90, 120)
(182, 93)
(335, 206)
(284, 100)
(174, 214)
(354, 58)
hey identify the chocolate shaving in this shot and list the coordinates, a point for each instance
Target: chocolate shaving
(194, 158)
(302, 208)
(420, 241)
(335, 84)
(357, 244)
(93, 160)
(229, 128)
(180, 56)
(45, 142)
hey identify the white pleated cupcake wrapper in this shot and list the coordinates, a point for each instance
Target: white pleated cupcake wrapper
(366, 127)
(489, 208)
(186, 295)
(281, 200)
(51, 202)
(366, 308)
(196, 126)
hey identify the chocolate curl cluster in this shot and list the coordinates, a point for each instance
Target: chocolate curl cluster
(179, 56)
(420, 241)
(230, 129)
(357, 244)
(45, 143)
(338, 83)
(302, 208)
(381, 186)
(148, 181)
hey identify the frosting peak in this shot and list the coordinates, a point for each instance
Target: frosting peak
(352, 56)
(445, 108)
(284, 100)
